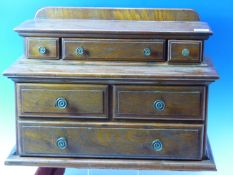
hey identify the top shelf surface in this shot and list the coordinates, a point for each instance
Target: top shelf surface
(56, 21)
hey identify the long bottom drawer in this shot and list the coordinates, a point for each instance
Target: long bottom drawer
(111, 140)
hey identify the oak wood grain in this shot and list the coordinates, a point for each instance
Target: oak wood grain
(97, 71)
(109, 141)
(83, 101)
(175, 48)
(137, 102)
(115, 29)
(98, 120)
(150, 14)
(113, 49)
(206, 164)
(32, 45)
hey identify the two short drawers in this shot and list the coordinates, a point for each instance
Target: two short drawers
(124, 102)
(173, 51)
(112, 126)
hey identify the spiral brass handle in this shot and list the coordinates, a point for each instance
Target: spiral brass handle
(80, 51)
(159, 105)
(61, 143)
(61, 103)
(42, 50)
(157, 145)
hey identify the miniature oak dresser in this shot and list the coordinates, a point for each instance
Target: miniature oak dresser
(113, 88)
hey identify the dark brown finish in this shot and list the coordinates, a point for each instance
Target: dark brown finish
(113, 49)
(115, 29)
(50, 44)
(150, 14)
(111, 72)
(121, 141)
(160, 24)
(84, 101)
(181, 102)
(203, 165)
(106, 114)
(175, 48)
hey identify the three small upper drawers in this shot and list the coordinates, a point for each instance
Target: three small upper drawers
(128, 102)
(178, 51)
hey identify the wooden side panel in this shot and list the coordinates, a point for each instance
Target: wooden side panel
(178, 142)
(180, 102)
(113, 49)
(83, 101)
(118, 14)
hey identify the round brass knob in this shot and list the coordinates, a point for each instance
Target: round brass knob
(157, 145)
(147, 52)
(80, 51)
(61, 103)
(159, 105)
(185, 52)
(42, 50)
(61, 143)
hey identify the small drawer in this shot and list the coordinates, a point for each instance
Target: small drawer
(113, 49)
(183, 51)
(62, 100)
(159, 102)
(157, 141)
(42, 48)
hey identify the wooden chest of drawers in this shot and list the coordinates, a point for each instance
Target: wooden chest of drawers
(113, 88)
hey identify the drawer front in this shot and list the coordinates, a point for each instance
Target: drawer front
(159, 102)
(119, 141)
(182, 51)
(62, 100)
(42, 48)
(109, 49)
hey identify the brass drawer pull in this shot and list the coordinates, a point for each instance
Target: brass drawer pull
(61, 143)
(185, 52)
(42, 50)
(157, 145)
(61, 103)
(147, 52)
(80, 51)
(159, 105)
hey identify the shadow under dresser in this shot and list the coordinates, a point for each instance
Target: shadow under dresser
(113, 88)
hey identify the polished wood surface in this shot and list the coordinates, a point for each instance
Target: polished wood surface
(207, 164)
(107, 141)
(175, 48)
(150, 14)
(86, 26)
(181, 102)
(113, 49)
(115, 29)
(33, 44)
(83, 101)
(110, 118)
(112, 71)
